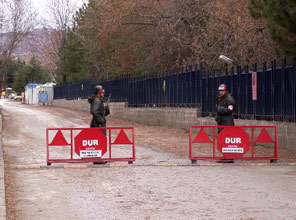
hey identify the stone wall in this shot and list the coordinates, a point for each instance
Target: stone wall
(181, 118)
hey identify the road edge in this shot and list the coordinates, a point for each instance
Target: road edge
(3, 215)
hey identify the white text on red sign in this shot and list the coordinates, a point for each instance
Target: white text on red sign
(90, 143)
(233, 140)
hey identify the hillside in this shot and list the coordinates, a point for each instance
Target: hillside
(33, 45)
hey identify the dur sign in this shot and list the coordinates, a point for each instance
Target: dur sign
(90, 143)
(233, 142)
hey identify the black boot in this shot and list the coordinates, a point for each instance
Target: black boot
(225, 161)
(101, 162)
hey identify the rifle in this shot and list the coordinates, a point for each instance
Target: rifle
(107, 103)
(108, 99)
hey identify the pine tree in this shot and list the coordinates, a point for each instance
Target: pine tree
(31, 73)
(281, 18)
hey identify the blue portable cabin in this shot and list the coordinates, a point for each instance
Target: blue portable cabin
(46, 93)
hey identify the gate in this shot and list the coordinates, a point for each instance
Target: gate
(233, 142)
(80, 145)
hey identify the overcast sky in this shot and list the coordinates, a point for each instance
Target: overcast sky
(40, 6)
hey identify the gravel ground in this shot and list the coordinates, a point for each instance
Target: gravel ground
(141, 191)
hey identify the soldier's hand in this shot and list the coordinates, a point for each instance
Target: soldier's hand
(107, 110)
(103, 121)
(220, 108)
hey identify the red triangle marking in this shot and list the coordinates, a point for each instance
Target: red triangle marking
(202, 137)
(264, 137)
(59, 140)
(122, 138)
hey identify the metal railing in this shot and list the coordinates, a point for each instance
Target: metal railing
(193, 86)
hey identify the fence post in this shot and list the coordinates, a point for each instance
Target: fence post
(201, 88)
(182, 82)
(255, 102)
(177, 85)
(238, 89)
(191, 87)
(195, 85)
(232, 81)
(213, 90)
(129, 85)
(208, 91)
(158, 90)
(68, 90)
(294, 91)
(247, 91)
(273, 64)
(263, 101)
(200, 83)
(283, 90)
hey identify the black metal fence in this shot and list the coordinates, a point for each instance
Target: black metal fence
(84, 89)
(190, 87)
(181, 87)
(276, 92)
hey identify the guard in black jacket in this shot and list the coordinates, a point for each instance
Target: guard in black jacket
(97, 108)
(225, 106)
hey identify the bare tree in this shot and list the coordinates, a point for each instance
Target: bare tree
(60, 19)
(16, 22)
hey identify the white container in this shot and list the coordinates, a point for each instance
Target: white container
(31, 93)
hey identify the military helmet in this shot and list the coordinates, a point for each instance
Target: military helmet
(99, 89)
(222, 87)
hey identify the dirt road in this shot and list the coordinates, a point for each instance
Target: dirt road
(141, 191)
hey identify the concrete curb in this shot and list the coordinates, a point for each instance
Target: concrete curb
(158, 164)
(2, 180)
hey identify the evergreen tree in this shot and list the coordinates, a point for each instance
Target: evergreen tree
(281, 17)
(76, 64)
(32, 73)
(72, 64)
